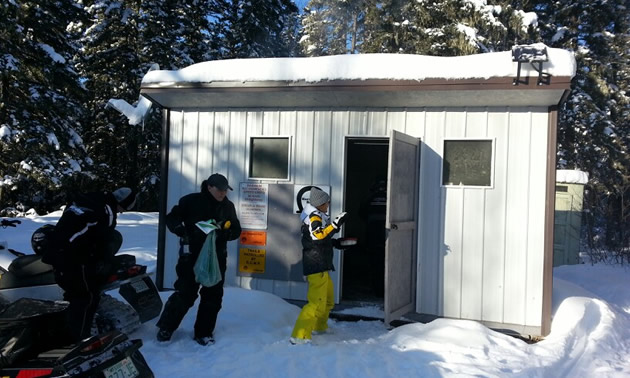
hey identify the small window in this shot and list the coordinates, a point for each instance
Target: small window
(467, 163)
(269, 158)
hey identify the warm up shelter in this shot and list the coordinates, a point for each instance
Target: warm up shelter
(466, 146)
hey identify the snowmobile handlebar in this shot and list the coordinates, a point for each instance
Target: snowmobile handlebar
(9, 223)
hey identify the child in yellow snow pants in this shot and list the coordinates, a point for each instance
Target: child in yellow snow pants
(317, 261)
(314, 315)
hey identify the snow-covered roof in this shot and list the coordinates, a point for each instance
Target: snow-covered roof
(364, 80)
(570, 176)
(362, 67)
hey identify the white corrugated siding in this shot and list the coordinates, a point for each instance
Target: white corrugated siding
(480, 249)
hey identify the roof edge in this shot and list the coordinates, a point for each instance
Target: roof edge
(559, 82)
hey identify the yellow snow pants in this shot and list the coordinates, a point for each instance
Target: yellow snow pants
(314, 315)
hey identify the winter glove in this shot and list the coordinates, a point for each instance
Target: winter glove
(225, 226)
(339, 220)
(224, 229)
(344, 243)
(180, 230)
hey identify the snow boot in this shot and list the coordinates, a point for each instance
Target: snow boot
(204, 341)
(164, 335)
(299, 341)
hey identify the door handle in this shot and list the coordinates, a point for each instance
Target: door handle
(394, 226)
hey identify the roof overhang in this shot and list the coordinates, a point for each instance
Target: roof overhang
(493, 92)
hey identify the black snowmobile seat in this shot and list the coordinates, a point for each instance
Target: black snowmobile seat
(29, 265)
(124, 260)
(32, 265)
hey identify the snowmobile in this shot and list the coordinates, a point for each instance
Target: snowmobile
(31, 349)
(28, 277)
(27, 282)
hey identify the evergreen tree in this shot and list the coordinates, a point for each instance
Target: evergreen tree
(40, 112)
(247, 29)
(291, 33)
(112, 66)
(174, 32)
(445, 27)
(594, 125)
(332, 27)
(195, 37)
(381, 31)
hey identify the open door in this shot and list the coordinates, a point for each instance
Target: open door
(401, 223)
(365, 200)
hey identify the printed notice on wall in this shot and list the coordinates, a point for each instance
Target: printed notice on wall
(251, 260)
(253, 205)
(249, 237)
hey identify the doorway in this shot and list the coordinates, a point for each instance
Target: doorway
(363, 265)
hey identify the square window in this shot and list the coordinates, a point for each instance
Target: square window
(269, 158)
(467, 163)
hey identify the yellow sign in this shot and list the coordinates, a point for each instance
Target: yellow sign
(251, 260)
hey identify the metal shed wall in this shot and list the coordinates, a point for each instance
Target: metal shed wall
(480, 250)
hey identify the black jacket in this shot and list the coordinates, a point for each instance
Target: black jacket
(317, 242)
(202, 206)
(83, 227)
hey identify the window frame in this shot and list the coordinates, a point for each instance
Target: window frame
(492, 140)
(251, 138)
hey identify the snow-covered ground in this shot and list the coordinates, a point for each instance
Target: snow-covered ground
(590, 334)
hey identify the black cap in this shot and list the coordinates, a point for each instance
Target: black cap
(219, 181)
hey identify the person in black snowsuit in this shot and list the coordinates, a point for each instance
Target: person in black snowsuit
(81, 250)
(210, 203)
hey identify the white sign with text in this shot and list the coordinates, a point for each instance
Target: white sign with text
(253, 205)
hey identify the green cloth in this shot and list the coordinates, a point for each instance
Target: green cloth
(206, 268)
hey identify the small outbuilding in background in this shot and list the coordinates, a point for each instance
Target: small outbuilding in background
(466, 146)
(568, 218)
